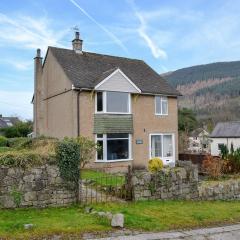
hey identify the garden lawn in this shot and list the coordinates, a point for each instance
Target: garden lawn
(48, 221)
(145, 216)
(101, 178)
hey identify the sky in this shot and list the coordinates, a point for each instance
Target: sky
(167, 34)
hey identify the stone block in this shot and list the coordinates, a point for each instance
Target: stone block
(117, 220)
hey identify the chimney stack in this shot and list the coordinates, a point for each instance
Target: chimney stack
(77, 43)
(38, 88)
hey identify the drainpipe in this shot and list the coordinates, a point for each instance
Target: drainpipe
(78, 108)
(78, 113)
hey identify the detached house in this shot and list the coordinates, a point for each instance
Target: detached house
(225, 133)
(121, 103)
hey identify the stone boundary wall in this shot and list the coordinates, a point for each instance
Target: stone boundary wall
(35, 187)
(220, 190)
(180, 182)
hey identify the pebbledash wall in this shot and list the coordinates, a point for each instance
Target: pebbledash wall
(35, 187)
(182, 183)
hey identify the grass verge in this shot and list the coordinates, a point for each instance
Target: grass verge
(143, 216)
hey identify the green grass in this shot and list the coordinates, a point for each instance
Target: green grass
(47, 222)
(143, 216)
(101, 178)
(167, 215)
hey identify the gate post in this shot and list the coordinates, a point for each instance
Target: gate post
(129, 187)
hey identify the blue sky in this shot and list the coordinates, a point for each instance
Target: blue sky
(167, 34)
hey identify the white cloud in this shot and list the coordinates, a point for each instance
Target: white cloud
(18, 64)
(142, 30)
(110, 34)
(29, 33)
(16, 103)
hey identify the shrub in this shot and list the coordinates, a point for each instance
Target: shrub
(213, 166)
(3, 141)
(20, 129)
(68, 159)
(87, 150)
(155, 165)
(25, 159)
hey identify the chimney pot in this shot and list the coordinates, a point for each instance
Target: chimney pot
(77, 35)
(77, 43)
(38, 52)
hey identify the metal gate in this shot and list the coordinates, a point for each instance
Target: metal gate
(98, 186)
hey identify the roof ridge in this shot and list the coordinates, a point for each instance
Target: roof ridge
(99, 54)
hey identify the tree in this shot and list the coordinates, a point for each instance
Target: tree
(187, 121)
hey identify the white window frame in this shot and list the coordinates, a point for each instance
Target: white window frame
(104, 139)
(166, 160)
(162, 99)
(104, 96)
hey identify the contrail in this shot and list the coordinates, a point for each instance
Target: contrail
(110, 34)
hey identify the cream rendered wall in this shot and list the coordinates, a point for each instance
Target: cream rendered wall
(226, 141)
(59, 101)
(144, 122)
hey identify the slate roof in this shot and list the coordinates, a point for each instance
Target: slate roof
(226, 130)
(88, 69)
(3, 124)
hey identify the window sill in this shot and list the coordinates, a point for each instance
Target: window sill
(161, 115)
(113, 113)
(112, 161)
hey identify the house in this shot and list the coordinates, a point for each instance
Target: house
(7, 121)
(199, 141)
(225, 133)
(121, 103)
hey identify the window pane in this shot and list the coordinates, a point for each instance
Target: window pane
(156, 145)
(117, 135)
(117, 149)
(167, 146)
(117, 102)
(164, 107)
(99, 135)
(99, 102)
(100, 150)
(158, 105)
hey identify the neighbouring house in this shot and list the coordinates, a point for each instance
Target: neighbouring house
(225, 133)
(199, 141)
(7, 121)
(121, 103)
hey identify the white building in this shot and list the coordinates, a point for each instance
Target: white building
(225, 133)
(199, 141)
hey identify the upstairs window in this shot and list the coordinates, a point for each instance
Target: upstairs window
(99, 102)
(113, 102)
(161, 105)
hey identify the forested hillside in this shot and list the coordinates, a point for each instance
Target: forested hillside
(211, 90)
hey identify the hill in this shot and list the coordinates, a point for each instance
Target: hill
(211, 90)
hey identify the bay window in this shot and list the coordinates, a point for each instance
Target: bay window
(113, 147)
(162, 146)
(161, 105)
(113, 102)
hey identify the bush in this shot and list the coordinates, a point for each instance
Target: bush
(3, 141)
(155, 165)
(232, 159)
(20, 129)
(68, 158)
(87, 150)
(213, 166)
(25, 159)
